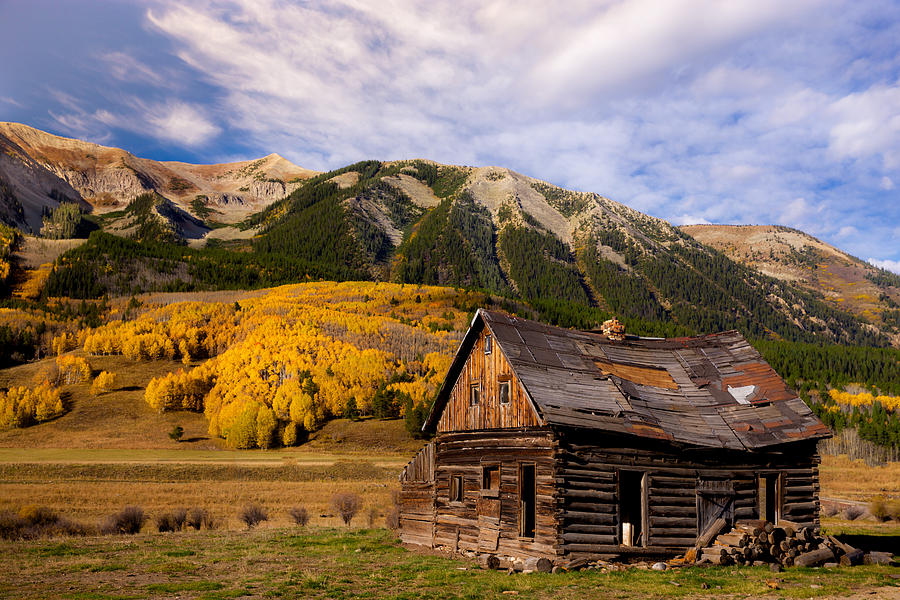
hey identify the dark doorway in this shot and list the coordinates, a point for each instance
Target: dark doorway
(632, 508)
(770, 497)
(526, 501)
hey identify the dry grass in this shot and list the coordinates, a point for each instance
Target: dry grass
(117, 419)
(852, 480)
(87, 492)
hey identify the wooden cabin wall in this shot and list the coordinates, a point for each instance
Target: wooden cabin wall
(588, 501)
(459, 527)
(417, 513)
(416, 519)
(487, 370)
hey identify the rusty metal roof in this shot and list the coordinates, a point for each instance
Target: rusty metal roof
(712, 390)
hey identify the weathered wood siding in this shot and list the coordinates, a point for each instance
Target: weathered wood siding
(417, 499)
(487, 371)
(490, 523)
(588, 501)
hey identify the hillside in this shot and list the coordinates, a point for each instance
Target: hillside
(796, 257)
(39, 170)
(576, 257)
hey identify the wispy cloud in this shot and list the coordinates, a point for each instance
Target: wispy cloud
(890, 265)
(747, 111)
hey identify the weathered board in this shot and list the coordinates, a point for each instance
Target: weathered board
(486, 371)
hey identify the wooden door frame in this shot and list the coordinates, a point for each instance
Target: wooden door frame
(645, 505)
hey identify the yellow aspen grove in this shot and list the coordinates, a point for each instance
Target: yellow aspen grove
(285, 360)
(21, 406)
(103, 382)
(73, 369)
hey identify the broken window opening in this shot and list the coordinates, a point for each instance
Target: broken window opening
(474, 395)
(456, 488)
(503, 392)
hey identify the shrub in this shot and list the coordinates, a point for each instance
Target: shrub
(372, 516)
(128, 521)
(179, 516)
(879, 509)
(893, 509)
(177, 433)
(392, 518)
(347, 505)
(252, 515)
(164, 522)
(198, 518)
(33, 522)
(299, 514)
(851, 513)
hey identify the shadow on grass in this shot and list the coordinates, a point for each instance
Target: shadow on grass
(869, 543)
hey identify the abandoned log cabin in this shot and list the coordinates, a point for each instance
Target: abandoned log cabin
(567, 444)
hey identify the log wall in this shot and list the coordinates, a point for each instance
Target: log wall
(588, 497)
(486, 371)
(486, 522)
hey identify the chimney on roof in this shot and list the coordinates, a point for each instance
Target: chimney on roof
(614, 330)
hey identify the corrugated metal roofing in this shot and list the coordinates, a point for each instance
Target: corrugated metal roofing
(582, 379)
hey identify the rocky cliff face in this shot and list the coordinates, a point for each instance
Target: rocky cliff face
(40, 170)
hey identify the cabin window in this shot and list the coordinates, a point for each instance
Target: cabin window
(503, 392)
(490, 480)
(474, 395)
(632, 508)
(527, 501)
(487, 344)
(456, 488)
(770, 496)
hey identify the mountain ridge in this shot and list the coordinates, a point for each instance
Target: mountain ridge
(575, 255)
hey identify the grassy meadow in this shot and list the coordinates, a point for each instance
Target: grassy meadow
(367, 563)
(112, 450)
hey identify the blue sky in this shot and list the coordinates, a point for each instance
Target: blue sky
(759, 112)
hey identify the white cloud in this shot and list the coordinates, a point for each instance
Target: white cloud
(754, 111)
(182, 123)
(868, 123)
(689, 220)
(890, 265)
(178, 122)
(847, 231)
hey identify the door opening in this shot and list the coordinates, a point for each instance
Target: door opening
(770, 497)
(632, 508)
(526, 501)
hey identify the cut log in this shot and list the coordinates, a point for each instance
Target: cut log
(732, 539)
(814, 558)
(877, 558)
(851, 559)
(541, 565)
(489, 561)
(577, 564)
(710, 533)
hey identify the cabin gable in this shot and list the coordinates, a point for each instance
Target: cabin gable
(476, 400)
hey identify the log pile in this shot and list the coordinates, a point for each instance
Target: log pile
(786, 544)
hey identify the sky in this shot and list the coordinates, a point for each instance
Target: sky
(695, 111)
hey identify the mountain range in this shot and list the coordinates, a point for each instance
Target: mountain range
(573, 256)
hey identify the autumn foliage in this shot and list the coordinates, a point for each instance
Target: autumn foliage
(22, 406)
(279, 364)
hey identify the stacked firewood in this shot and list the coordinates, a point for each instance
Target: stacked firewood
(786, 544)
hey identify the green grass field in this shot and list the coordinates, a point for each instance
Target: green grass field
(336, 563)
